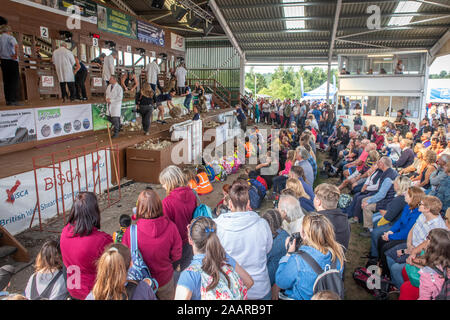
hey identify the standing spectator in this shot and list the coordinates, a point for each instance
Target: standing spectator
(325, 203)
(80, 79)
(384, 195)
(109, 69)
(112, 283)
(180, 73)
(10, 65)
(144, 106)
(114, 96)
(187, 101)
(294, 274)
(152, 70)
(279, 235)
(64, 64)
(179, 206)
(210, 259)
(247, 238)
(82, 244)
(242, 118)
(158, 241)
(47, 282)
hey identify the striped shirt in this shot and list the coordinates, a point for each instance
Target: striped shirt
(423, 227)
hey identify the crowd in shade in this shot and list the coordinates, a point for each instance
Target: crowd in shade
(393, 180)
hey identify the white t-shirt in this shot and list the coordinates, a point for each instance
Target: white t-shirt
(180, 73)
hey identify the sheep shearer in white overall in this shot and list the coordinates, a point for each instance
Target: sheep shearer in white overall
(64, 64)
(114, 96)
(108, 69)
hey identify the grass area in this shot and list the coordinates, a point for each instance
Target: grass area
(358, 246)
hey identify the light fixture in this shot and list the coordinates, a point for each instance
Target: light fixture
(404, 7)
(380, 55)
(194, 21)
(178, 12)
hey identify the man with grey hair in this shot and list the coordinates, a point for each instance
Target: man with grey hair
(438, 175)
(291, 212)
(9, 49)
(302, 160)
(64, 62)
(384, 195)
(359, 163)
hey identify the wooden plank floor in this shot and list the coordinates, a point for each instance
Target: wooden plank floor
(21, 161)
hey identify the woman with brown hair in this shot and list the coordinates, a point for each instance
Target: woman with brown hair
(295, 275)
(158, 241)
(47, 282)
(212, 274)
(111, 282)
(144, 105)
(423, 180)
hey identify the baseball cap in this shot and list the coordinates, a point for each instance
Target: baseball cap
(6, 273)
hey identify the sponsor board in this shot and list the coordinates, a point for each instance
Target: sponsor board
(17, 126)
(18, 193)
(150, 34)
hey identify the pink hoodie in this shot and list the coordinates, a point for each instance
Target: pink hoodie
(430, 284)
(287, 168)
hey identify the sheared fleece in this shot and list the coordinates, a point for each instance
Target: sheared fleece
(247, 238)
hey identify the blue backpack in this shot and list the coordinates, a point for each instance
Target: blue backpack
(202, 211)
(259, 186)
(139, 270)
(210, 172)
(255, 198)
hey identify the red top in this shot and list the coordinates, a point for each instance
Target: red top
(82, 252)
(160, 245)
(263, 182)
(179, 207)
(363, 158)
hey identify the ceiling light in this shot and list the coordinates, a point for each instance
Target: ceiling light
(403, 7)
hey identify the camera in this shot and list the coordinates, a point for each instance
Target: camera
(298, 240)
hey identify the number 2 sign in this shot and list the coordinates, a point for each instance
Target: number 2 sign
(44, 32)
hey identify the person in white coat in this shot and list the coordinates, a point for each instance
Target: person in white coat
(247, 238)
(108, 66)
(64, 64)
(180, 73)
(152, 70)
(114, 96)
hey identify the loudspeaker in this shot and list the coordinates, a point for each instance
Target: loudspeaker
(194, 21)
(159, 4)
(178, 12)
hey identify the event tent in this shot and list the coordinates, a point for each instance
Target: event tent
(320, 93)
(438, 91)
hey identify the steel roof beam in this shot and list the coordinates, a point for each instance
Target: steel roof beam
(303, 18)
(326, 40)
(297, 4)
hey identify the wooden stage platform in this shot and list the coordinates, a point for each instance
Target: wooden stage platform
(21, 161)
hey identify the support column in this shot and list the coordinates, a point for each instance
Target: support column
(328, 81)
(423, 99)
(242, 76)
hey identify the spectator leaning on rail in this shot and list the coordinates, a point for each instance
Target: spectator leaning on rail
(247, 238)
(384, 195)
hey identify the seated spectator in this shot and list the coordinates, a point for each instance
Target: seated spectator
(280, 181)
(326, 295)
(291, 213)
(179, 205)
(443, 189)
(82, 243)
(302, 156)
(254, 175)
(111, 282)
(124, 222)
(247, 238)
(436, 258)
(267, 168)
(305, 201)
(294, 275)
(212, 273)
(423, 180)
(407, 155)
(158, 240)
(279, 235)
(204, 186)
(439, 174)
(393, 148)
(48, 281)
(416, 166)
(370, 161)
(325, 203)
(6, 273)
(382, 198)
(298, 173)
(191, 179)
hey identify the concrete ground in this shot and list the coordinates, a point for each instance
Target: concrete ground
(33, 240)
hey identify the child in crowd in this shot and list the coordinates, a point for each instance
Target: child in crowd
(6, 273)
(305, 201)
(124, 222)
(196, 113)
(191, 178)
(48, 281)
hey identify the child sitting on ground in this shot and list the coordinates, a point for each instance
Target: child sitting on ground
(125, 222)
(190, 177)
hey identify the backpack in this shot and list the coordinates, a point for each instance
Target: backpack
(444, 294)
(236, 291)
(202, 210)
(344, 201)
(45, 295)
(361, 275)
(210, 172)
(139, 270)
(255, 199)
(329, 279)
(259, 186)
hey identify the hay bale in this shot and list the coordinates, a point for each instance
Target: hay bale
(175, 112)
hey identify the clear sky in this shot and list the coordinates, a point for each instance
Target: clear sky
(441, 63)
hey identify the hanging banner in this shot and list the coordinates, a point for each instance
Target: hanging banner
(99, 114)
(177, 42)
(17, 126)
(18, 193)
(59, 121)
(116, 22)
(87, 8)
(150, 34)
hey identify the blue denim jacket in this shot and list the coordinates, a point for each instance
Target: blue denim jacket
(297, 277)
(276, 253)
